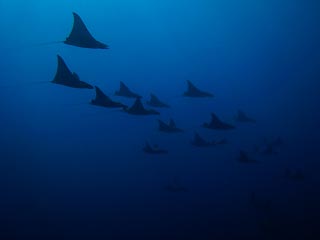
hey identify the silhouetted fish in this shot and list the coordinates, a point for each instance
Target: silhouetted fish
(217, 124)
(124, 91)
(153, 150)
(199, 141)
(242, 117)
(155, 102)
(104, 101)
(193, 91)
(81, 37)
(169, 128)
(138, 109)
(65, 77)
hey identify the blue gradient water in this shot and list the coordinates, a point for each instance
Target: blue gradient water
(69, 170)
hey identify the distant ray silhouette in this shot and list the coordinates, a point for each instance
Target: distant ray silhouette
(193, 91)
(138, 109)
(242, 117)
(244, 158)
(81, 37)
(104, 101)
(217, 124)
(169, 128)
(65, 77)
(199, 141)
(124, 91)
(155, 102)
(153, 150)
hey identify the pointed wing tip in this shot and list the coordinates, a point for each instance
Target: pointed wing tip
(60, 60)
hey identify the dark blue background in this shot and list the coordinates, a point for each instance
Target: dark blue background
(69, 170)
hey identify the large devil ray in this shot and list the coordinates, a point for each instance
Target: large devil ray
(65, 77)
(81, 37)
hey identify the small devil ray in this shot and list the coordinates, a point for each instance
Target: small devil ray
(195, 92)
(199, 141)
(81, 37)
(103, 100)
(155, 102)
(168, 128)
(124, 91)
(153, 150)
(244, 158)
(217, 124)
(242, 117)
(65, 77)
(138, 109)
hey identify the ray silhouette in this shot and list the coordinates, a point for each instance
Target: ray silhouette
(124, 91)
(81, 37)
(138, 109)
(217, 124)
(65, 77)
(193, 91)
(155, 102)
(103, 100)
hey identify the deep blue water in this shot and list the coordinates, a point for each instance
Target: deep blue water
(70, 170)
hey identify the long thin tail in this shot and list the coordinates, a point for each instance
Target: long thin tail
(22, 84)
(35, 45)
(46, 43)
